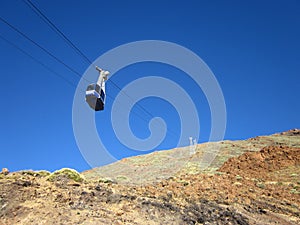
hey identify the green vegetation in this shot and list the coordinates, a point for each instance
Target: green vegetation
(28, 172)
(41, 173)
(183, 182)
(294, 191)
(120, 177)
(65, 173)
(105, 180)
(260, 185)
(219, 173)
(238, 177)
(192, 168)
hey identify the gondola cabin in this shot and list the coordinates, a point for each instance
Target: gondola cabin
(95, 93)
(95, 97)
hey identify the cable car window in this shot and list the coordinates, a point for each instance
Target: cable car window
(102, 94)
(91, 87)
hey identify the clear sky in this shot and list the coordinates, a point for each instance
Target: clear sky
(252, 47)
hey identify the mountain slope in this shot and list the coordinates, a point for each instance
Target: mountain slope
(164, 164)
(259, 184)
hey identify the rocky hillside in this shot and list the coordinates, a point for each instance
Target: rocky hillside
(208, 157)
(256, 181)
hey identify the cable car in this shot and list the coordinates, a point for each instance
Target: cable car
(95, 93)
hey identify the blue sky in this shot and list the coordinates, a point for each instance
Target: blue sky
(252, 47)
